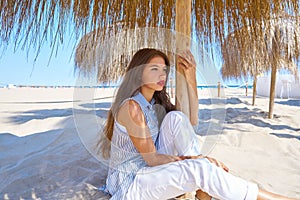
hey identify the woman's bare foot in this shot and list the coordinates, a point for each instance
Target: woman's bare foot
(202, 195)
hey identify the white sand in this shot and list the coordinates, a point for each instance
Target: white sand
(46, 136)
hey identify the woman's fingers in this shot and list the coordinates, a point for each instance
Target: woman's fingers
(186, 58)
(212, 160)
(186, 61)
(223, 166)
(218, 163)
(183, 64)
(190, 57)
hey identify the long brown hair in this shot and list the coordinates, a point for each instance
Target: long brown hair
(130, 85)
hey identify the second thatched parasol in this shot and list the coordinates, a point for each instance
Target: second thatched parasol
(248, 51)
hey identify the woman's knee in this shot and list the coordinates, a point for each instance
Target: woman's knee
(175, 116)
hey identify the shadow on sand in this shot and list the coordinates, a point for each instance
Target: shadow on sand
(290, 102)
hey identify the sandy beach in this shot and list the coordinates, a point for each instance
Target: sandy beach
(47, 137)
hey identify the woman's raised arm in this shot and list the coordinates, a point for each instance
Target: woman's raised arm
(187, 63)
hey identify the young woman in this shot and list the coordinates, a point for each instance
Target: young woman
(154, 152)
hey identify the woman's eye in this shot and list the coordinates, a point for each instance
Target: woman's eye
(154, 68)
(165, 69)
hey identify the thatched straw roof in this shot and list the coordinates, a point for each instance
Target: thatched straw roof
(111, 52)
(29, 23)
(246, 53)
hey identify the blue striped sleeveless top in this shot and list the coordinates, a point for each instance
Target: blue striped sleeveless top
(125, 160)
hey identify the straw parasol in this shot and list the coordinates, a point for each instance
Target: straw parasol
(28, 24)
(43, 19)
(277, 48)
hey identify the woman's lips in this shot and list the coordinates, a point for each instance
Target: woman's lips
(161, 83)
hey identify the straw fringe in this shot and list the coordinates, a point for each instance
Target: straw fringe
(249, 52)
(29, 23)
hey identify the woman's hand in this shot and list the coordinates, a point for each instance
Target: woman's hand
(212, 160)
(218, 163)
(187, 63)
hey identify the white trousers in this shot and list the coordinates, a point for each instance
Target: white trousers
(167, 181)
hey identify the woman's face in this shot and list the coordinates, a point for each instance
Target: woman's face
(155, 74)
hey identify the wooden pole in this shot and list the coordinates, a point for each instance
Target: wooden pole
(254, 90)
(183, 34)
(183, 29)
(246, 88)
(272, 90)
(275, 55)
(219, 89)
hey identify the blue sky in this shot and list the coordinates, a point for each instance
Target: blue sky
(19, 69)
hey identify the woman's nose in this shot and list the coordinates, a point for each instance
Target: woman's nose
(163, 75)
